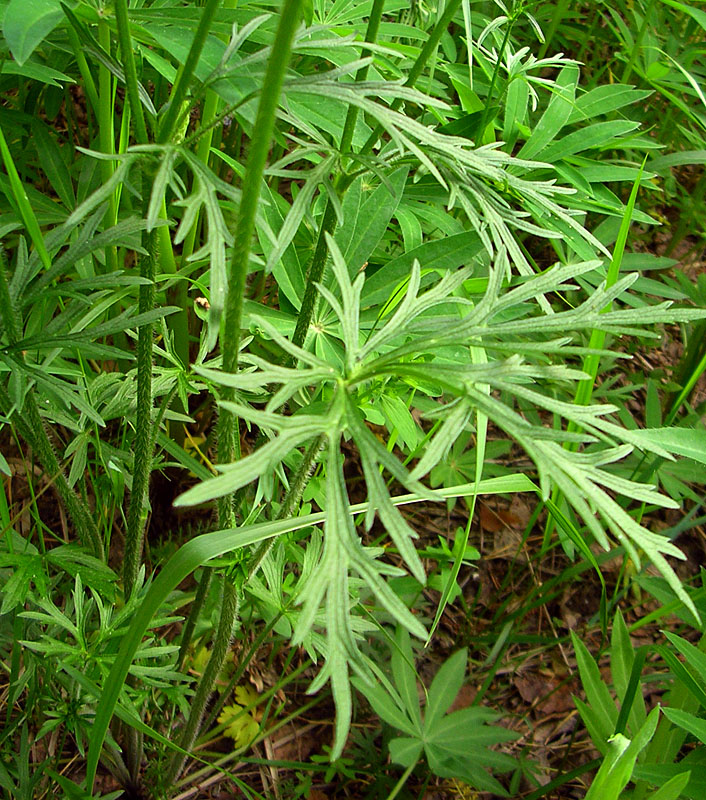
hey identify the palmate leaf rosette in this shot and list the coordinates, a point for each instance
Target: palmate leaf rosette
(421, 342)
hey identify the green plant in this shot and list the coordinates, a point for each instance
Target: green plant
(455, 744)
(408, 236)
(636, 746)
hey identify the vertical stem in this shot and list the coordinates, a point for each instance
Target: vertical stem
(591, 363)
(143, 441)
(228, 438)
(185, 74)
(106, 136)
(494, 78)
(316, 271)
(291, 499)
(328, 221)
(203, 149)
(194, 612)
(371, 34)
(210, 109)
(221, 644)
(430, 45)
(88, 84)
(143, 432)
(637, 46)
(178, 323)
(128, 59)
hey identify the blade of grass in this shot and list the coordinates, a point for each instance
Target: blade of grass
(478, 356)
(22, 202)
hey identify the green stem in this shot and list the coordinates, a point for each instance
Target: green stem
(328, 221)
(228, 437)
(221, 645)
(591, 363)
(557, 17)
(401, 782)
(291, 500)
(128, 59)
(134, 749)
(289, 505)
(564, 778)
(688, 387)
(203, 150)
(31, 428)
(143, 442)
(494, 78)
(88, 83)
(181, 86)
(194, 612)
(106, 137)
(691, 365)
(178, 323)
(314, 276)
(371, 34)
(627, 73)
(427, 51)
(239, 670)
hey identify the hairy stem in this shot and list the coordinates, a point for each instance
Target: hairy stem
(143, 442)
(221, 645)
(194, 613)
(314, 276)
(31, 427)
(291, 500)
(228, 437)
(371, 34)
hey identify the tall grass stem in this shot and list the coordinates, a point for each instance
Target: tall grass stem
(143, 442)
(185, 74)
(128, 58)
(219, 651)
